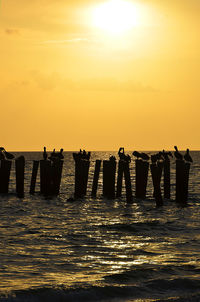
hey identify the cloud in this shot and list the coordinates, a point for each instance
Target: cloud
(11, 31)
(55, 81)
(74, 40)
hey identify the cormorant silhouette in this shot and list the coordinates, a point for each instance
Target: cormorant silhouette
(167, 154)
(45, 155)
(187, 156)
(142, 155)
(156, 157)
(177, 154)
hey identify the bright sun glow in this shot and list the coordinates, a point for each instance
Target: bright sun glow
(116, 16)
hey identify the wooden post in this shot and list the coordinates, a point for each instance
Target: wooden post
(119, 178)
(45, 177)
(34, 176)
(19, 168)
(5, 167)
(109, 170)
(56, 168)
(81, 177)
(142, 168)
(179, 180)
(186, 182)
(96, 177)
(126, 169)
(182, 180)
(167, 178)
(86, 166)
(78, 178)
(155, 172)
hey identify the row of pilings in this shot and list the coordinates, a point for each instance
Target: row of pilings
(112, 190)
(51, 173)
(50, 176)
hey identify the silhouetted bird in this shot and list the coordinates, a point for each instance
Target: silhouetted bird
(144, 156)
(136, 154)
(177, 154)
(156, 157)
(5, 155)
(112, 158)
(166, 154)
(45, 155)
(187, 156)
(2, 155)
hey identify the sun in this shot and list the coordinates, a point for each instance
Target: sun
(116, 16)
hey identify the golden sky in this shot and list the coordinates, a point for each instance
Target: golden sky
(69, 82)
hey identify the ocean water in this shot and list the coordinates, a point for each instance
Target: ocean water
(98, 249)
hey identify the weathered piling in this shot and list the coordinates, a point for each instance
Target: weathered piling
(127, 177)
(34, 176)
(182, 180)
(19, 168)
(109, 170)
(156, 176)
(167, 178)
(86, 166)
(96, 177)
(45, 177)
(119, 178)
(56, 174)
(186, 181)
(5, 167)
(141, 171)
(81, 176)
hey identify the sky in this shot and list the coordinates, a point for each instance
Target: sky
(68, 82)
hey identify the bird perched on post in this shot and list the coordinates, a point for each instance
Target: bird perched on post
(166, 154)
(187, 156)
(142, 155)
(45, 155)
(156, 157)
(177, 154)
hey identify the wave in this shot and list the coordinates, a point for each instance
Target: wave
(180, 289)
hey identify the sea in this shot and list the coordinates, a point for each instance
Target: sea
(95, 249)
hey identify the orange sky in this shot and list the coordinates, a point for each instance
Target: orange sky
(66, 83)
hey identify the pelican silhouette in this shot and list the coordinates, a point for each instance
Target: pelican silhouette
(142, 155)
(177, 154)
(187, 156)
(45, 155)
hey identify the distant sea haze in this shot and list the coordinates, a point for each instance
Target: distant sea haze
(95, 249)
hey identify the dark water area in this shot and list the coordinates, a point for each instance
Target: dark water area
(99, 249)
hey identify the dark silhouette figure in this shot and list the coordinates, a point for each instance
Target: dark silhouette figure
(55, 156)
(187, 156)
(123, 156)
(82, 155)
(142, 155)
(177, 154)
(166, 154)
(5, 155)
(112, 158)
(157, 157)
(45, 155)
(2, 155)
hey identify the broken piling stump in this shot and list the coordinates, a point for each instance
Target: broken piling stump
(182, 180)
(167, 178)
(119, 178)
(156, 177)
(141, 172)
(96, 177)
(19, 168)
(109, 170)
(34, 176)
(5, 167)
